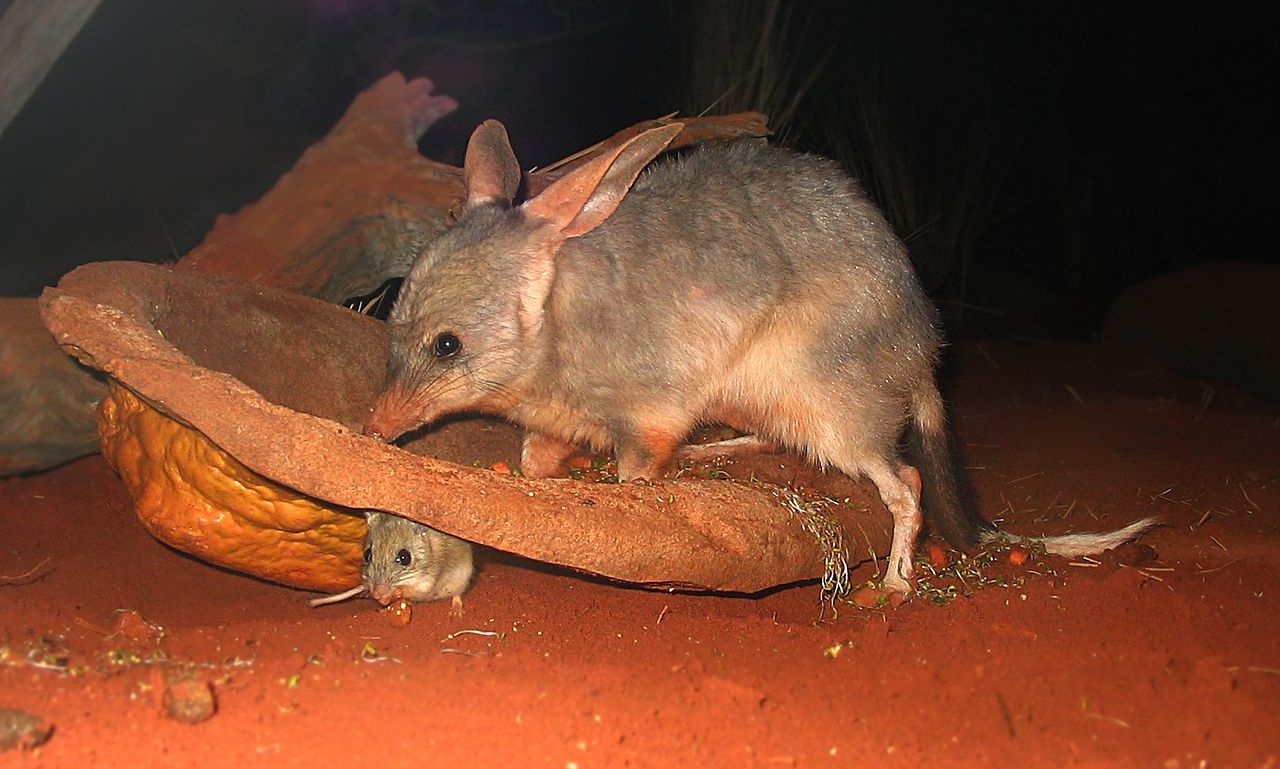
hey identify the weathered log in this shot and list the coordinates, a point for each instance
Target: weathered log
(33, 34)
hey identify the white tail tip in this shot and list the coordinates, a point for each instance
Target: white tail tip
(1072, 545)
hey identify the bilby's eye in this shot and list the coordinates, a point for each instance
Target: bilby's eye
(404, 558)
(446, 345)
(368, 554)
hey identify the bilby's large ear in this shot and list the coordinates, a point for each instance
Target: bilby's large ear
(491, 171)
(582, 200)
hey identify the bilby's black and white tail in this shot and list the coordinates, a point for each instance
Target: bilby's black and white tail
(950, 511)
(1074, 545)
(947, 504)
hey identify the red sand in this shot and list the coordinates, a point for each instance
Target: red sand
(1168, 663)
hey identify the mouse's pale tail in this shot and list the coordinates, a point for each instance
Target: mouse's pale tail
(344, 595)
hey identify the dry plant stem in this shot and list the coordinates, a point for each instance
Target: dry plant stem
(30, 575)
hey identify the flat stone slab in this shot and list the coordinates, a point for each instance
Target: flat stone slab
(282, 382)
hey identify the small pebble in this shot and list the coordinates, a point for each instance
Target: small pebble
(134, 627)
(23, 730)
(868, 597)
(188, 698)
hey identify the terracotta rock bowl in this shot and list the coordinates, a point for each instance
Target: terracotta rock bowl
(233, 419)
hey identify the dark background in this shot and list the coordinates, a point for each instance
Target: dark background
(1038, 157)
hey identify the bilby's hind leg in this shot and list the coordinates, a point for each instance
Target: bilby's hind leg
(900, 491)
(647, 451)
(542, 456)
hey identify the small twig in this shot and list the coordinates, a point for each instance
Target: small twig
(1008, 717)
(1007, 505)
(1219, 544)
(1112, 719)
(370, 653)
(1165, 496)
(490, 633)
(1075, 395)
(1142, 572)
(661, 614)
(1252, 504)
(1023, 478)
(982, 350)
(47, 666)
(1206, 396)
(1220, 568)
(29, 576)
(52, 660)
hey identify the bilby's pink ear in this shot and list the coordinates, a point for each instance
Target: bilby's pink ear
(491, 171)
(582, 200)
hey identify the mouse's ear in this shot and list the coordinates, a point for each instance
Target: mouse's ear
(491, 171)
(580, 201)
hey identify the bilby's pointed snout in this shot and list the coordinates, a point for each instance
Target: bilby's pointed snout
(392, 415)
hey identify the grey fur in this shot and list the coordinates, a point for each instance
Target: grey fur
(741, 283)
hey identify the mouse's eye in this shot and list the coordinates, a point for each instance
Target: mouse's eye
(446, 345)
(368, 554)
(404, 558)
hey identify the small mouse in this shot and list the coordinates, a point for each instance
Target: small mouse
(407, 560)
(628, 303)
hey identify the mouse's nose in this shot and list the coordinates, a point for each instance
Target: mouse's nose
(382, 594)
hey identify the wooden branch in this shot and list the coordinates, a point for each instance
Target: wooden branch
(33, 34)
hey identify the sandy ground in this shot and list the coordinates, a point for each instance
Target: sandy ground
(1162, 654)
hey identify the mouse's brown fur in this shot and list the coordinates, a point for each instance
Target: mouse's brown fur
(404, 559)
